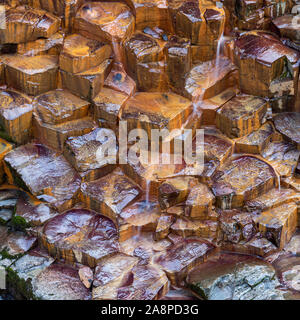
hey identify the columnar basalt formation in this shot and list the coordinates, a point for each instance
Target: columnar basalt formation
(91, 208)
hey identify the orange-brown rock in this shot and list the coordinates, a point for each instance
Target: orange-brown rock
(107, 105)
(267, 68)
(142, 48)
(32, 75)
(15, 116)
(84, 153)
(5, 147)
(51, 46)
(110, 273)
(80, 54)
(283, 156)
(45, 174)
(150, 176)
(55, 135)
(216, 145)
(202, 22)
(145, 62)
(236, 226)
(87, 84)
(27, 24)
(156, 111)
(202, 53)
(175, 190)
(145, 247)
(151, 14)
(217, 149)
(110, 194)
(131, 282)
(163, 226)
(271, 199)
(288, 124)
(182, 257)
(178, 61)
(199, 202)
(119, 80)
(141, 216)
(59, 106)
(241, 115)
(186, 227)
(105, 20)
(210, 106)
(242, 179)
(209, 79)
(278, 224)
(288, 27)
(65, 9)
(81, 236)
(58, 115)
(258, 140)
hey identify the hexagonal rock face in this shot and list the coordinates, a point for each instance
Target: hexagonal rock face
(283, 156)
(156, 111)
(15, 115)
(58, 106)
(175, 190)
(107, 105)
(186, 227)
(209, 79)
(80, 53)
(199, 21)
(150, 176)
(241, 115)
(199, 202)
(110, 194)
(288, 124)
(119, 277)
(145, 62)
(256, 141)
(217, 149)
(262, 60)
(235, 277)
(110, 274)
(288, 27)
(88, 83)
(31, 75)
(145, 283)
(216, 146)
(271, 199)
(151, 14)
(46, 174)
(244, 178)
(141, 216)
(80, 235)
(27, 24)
(84, 153)
(182, 257)
(105, 20)
(60, 282)
(236, 226)
(278, 224)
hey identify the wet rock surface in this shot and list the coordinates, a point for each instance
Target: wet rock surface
(235, 277)
(83, 215)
